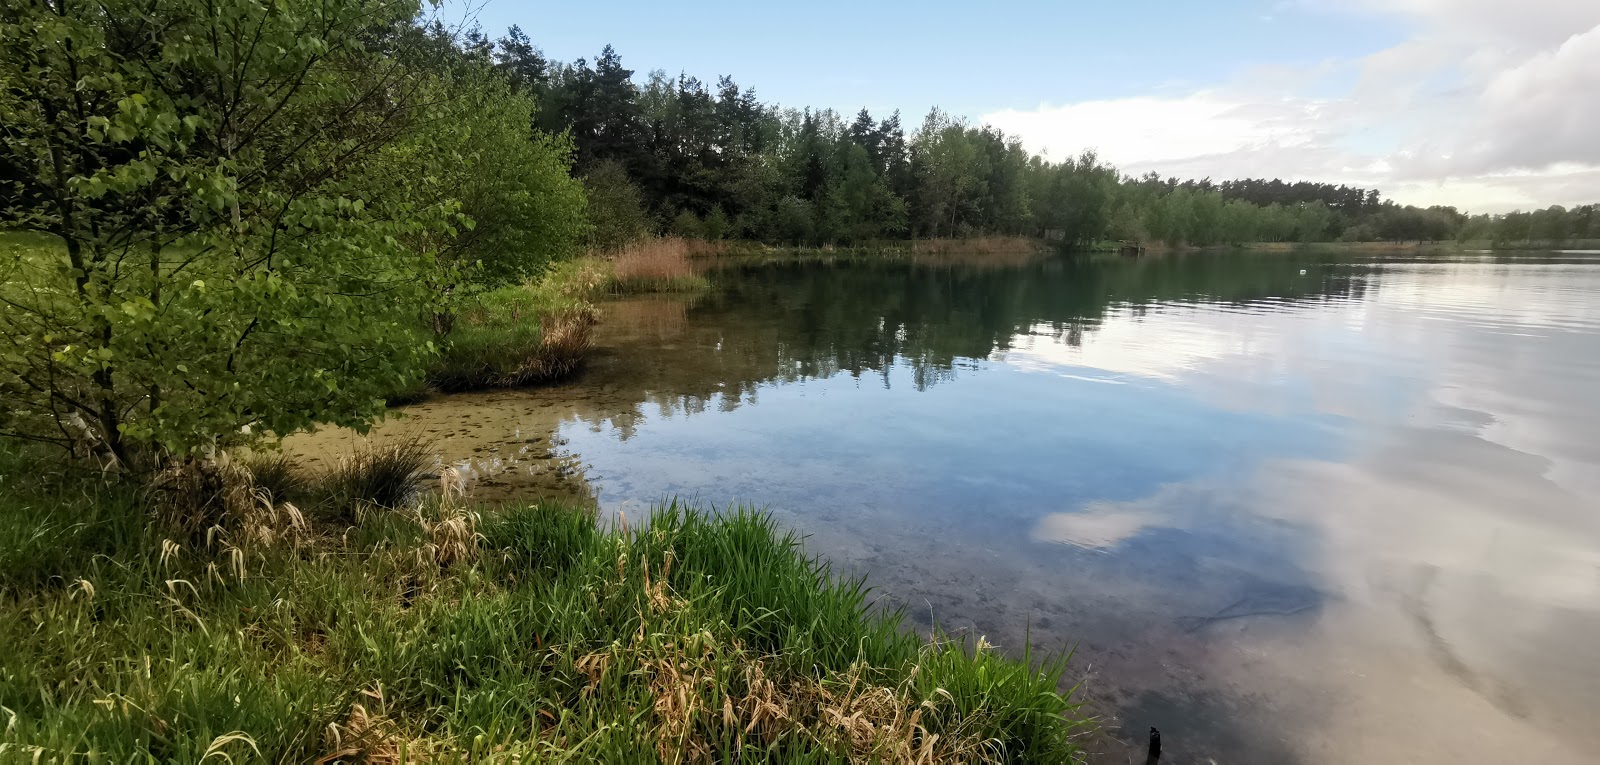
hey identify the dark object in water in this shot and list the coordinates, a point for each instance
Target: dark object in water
(1155, 748)
(1131, 249)
(1271, 600)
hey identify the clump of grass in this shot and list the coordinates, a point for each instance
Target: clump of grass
(696, 637)
(378, 476)
(573, 281)
(276, 478)
(194, 495)
(658, 265)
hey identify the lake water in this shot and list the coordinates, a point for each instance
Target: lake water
(1289, 507)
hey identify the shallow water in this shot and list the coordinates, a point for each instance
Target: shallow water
(1289, 507)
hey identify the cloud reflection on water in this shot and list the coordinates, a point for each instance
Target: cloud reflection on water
(1458, 533)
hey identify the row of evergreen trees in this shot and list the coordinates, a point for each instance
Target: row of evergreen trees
(681, 155)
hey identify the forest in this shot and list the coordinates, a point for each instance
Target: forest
(708, 160)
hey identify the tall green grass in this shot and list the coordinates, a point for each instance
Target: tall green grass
(695, 636)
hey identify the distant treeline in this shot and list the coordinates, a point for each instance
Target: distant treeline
(681, 155)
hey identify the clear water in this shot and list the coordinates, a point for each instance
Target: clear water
(1287, 507)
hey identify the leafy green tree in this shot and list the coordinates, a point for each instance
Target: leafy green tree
(1074, 201)
(515, 184)
(235, 255)
(945, 161)
(616, 213)
(793, 221)
(687, 225)
(715, 226)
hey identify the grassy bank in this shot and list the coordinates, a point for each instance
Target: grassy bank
(513, 337)
(349, 631)
(540, 332)
(1549, 244)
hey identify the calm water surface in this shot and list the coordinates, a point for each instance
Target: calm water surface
(1292, 507)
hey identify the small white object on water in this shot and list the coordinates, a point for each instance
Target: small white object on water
(1302, 272)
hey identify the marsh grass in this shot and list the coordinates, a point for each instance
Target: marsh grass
(515, 337)
(542, 331)
(660, 264)
(276, 477)
(445, 633)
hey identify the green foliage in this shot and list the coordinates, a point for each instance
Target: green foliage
(715, 226)
(247, 209)
(687, 225)
(810, 177)
(218, 208)
(513, 183)
(1552, 226)
(616, 212)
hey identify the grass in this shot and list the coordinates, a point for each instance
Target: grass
(540, 332)
(514, 337)
(983, 245)
(659, 264)
(431, 632)
(379, 476)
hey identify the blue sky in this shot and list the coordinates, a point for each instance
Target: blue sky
(968, 58)
(1486, 104)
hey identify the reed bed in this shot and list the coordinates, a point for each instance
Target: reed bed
(441, 632)
(660, 264)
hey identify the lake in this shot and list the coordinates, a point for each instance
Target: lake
(1309, 506)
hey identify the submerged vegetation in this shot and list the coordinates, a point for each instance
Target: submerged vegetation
(374, 630)
(540, 331)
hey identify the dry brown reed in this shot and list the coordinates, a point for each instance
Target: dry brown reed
(565, 336)
(450, 528)
(363, 737)
(218, 496)
(661, 264)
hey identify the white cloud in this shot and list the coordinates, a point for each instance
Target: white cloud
(1162, 129)
(1543, 112)
(1489, 106)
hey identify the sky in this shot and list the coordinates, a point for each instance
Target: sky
(1487, 105)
